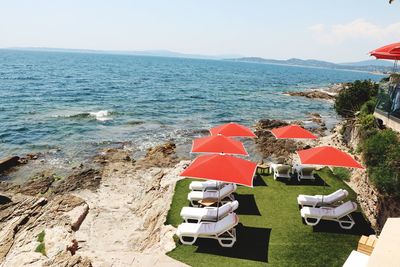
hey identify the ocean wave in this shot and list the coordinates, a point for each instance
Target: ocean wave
(101, 115)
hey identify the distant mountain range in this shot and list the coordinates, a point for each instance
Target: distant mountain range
(156, 53)
(380, 66)
(366, 65)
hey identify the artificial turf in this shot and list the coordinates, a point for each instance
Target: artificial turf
(271, 231)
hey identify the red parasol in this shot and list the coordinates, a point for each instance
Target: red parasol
(232, 129)
(327, 156)
(292, 132)
(391, 51)
(221, 167)
(218, 144)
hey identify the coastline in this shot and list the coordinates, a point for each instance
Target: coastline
(130, 232)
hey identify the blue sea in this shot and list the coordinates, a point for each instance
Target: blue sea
(71, 104)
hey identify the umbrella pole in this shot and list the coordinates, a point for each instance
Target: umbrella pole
(219, 196)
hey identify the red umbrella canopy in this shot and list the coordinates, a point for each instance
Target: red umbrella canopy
(292, 132)
(232, 129)
(391, 51)
(221, 167)
(327, 156)
(218, 144)
(381, 55)
(391, 48)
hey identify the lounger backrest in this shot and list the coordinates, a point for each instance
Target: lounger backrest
(283, 169)
(227, 208)
(345, 209)
(226, 223)
(234, 205)
(335, 196)
(224, 209)
(226, 190)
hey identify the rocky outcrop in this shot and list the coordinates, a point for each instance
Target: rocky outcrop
(25, 217)
(163, 156)
(66, 260)
(320, 129)
(112, 216)
(377, 207)
(38, 185)
(85, 179)
(269, 146)
(8, 163)
(138, 197)
(314, 94)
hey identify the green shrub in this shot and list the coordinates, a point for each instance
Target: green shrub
(40, 237)
(368, 107)
(385, 180)
(382, 156)
(41, 247)
(350, 99)
(342, 173)
(367, 121)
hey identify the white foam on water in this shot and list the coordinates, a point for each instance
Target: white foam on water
(102, 115)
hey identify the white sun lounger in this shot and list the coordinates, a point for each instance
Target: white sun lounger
(218, 195)
(222, 230)
(321, 200)
(340, 214)
(281, 171)
(208, 213)
(206, 185)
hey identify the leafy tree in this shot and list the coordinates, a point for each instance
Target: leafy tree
(350, 99)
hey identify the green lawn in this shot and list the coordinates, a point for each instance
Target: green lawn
(271, 231)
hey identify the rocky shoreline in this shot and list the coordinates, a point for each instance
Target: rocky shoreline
(80, 226)
(327, 93)
(114, 214)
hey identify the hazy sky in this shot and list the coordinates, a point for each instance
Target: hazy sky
(336, 30)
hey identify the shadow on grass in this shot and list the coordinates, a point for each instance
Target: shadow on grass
(252, 244)
(317, 182)
(361, 227)
(247, 205)
(259, 181)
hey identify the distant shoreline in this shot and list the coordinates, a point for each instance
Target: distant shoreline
(309, 67)
(380, 70)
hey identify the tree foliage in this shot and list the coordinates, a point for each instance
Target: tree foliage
(350, 99)
(382, 156)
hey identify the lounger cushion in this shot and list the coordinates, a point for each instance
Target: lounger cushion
(199, 186)
(223, 192)
(317, 199)
(345, 208)
(213, 228)
(328, 212)
(209, 213)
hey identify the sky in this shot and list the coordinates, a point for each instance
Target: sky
(336, 30)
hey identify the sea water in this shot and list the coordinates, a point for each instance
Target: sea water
(72, 104)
